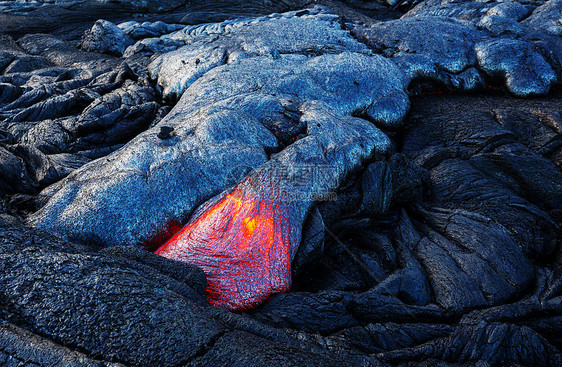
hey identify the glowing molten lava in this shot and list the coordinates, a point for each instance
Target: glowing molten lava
(244, 240)
(240, 244)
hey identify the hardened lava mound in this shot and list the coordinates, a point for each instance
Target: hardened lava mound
(301, 183)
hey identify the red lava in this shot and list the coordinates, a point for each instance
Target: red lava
(242, 243)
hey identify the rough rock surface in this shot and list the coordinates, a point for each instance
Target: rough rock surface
(106, 37)
(231, 118)
(425, 183)
(460, 56)
(306, 32)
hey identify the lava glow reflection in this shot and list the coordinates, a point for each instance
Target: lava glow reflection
(242, 245)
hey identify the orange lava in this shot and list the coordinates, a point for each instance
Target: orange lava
(242, 243)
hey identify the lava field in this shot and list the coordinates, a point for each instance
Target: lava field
(280, 183)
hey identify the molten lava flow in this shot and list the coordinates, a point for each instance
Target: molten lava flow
(245, 240)
(241, 243)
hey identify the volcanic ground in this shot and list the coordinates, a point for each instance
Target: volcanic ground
(280, 183)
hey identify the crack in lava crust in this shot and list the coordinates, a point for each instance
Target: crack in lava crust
(242, 243)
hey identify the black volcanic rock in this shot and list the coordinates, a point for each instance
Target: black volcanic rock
(106, 37)
(546, 17)
(149, 6)
(536, 77)
(99, 304)
(19, 347)
(472, 262)
(323, 312)
(494, 343)
(243, 349)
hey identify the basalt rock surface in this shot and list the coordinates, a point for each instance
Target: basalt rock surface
(372, 183)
